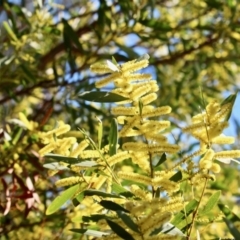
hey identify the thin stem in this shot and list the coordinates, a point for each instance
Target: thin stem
(195, 212)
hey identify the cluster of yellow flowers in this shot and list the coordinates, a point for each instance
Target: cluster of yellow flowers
(151, 210)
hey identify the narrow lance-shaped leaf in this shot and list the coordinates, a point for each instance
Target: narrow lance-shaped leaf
(234, 231)
(90, 192)
(212, 201)
(71, 34)
(230, 99)
(161, 160)
(121, 232)
(10, 31)
(128, 221)
(121, 190)
(228, 213)
(89, 232)
(100, 133)
(113, 137)
(101, 97)
(112, 206)
(63, 198)
(94, 218)
(176, 177)
(180, 217)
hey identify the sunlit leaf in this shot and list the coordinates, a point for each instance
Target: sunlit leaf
(89, 232)
(211, 203)
(66, 195)
(101, 97)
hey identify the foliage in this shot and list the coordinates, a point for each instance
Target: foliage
(131, 172)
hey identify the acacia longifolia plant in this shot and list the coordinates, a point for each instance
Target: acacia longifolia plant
(137, 186)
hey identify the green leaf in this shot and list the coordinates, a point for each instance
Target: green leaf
(78, 199)
(89, 232)
(121, 190)
(10, 31)
(176, 177)
(28, 73)
(100, 133)
(121, 232)
(128, 50)
(230, 99)
(114, 61)
(63, 198)
(101, 97)
(234, 231)
(71, 34)
(112, 206)
(161, 160)
(140, 105)
(90, 192)
(228, 213)
(211, 203)
(128, 221)
(60, 158)
(94, 218)
(17, 136)
(113, 137)
(70, 160)
(180, 217)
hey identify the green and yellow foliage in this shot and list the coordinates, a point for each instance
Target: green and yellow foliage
(156, 194)
(139, 152)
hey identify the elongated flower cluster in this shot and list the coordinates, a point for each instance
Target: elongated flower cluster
(154, 193)
(207, 127)
(134, 113)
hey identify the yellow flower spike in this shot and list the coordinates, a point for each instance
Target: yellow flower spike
(68, 181)
(135, 177)
(165, 184)
(208, 155)
(205, 164)
(154, 125)
(134, 65)
(141, 159)
(139, 92)
(223, 140)
(156, 111)
(138, 77)
(47, 149)
(227, 156)
(154, 86)
(215, 168)
(155, 222)
(137, 191)
(216, 129)
(77, 150)
(62, 128)
(118, 158)
(213, 108)
(100, 68)
(24, 119)
(149, 98)
(89, 154)
(156, 137)
(125, 111)
(103, 82)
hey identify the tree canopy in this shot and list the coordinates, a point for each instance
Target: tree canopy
(55, 57)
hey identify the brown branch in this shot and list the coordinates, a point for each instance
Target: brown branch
(61, 47)
(180, 55)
